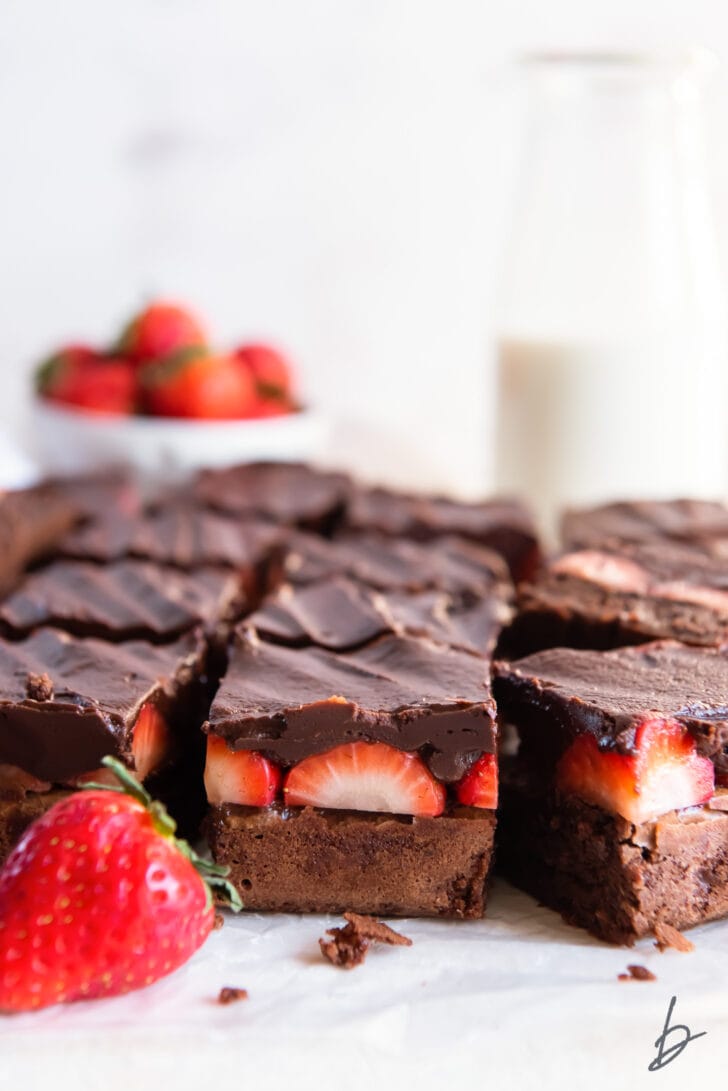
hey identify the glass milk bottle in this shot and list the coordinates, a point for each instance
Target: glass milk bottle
(611, 341)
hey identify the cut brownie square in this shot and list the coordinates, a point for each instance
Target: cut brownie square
(322, 763)
(643, 521)
(65, 703)
(32, 523)
(449, 564)
(183, 536)
(502, 524)
(341, 614)
(626, 594)
(290, 493)
(129, 600)
(609, 808)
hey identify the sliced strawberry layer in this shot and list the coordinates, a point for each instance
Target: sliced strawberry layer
(239, 776)
(664, 772)
(479, 786)
(364, 776)
(152, 741)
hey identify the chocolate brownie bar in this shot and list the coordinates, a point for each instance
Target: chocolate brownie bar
(289, 493)
(66, 702)
(502, 524)
(32, 522)
(626, 594)
(181, 535)
(609, 809)
(373, 748)
(448, 564)
(341, 615)
(129, 600)
(645, 520)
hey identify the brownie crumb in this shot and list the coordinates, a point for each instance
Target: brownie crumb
(349, 945)
(217, 922)
(667, 936)
(637, 973)
(230, 995)
(39, 687)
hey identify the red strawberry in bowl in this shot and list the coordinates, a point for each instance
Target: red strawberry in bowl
(363, 776)
(99, 898)
(78, 375)
(160, 330)
(663, 772)
(194, 385)
(271, 373)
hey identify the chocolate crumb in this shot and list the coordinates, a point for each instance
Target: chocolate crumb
(39, 687)
(667, 936)
(637, 973)
(230, 995)
(349, 945)
(217, 922)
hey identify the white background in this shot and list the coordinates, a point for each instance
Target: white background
(333, 174)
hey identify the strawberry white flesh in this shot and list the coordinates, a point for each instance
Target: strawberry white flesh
(364, 776)
(239, 776)
(663, 773)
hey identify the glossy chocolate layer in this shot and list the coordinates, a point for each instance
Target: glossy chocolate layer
(32, 522)
(289, 493)
(502, 524)
(553, 695)
(340, 614)
(65, 702)
(450, 564)
(129, 600)
(408, 692)
(643, 520)
(180, 535)
(629, 594)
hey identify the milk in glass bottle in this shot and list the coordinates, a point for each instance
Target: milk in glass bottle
(611, 338)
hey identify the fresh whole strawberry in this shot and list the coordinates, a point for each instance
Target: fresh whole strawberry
(160, 329)
(191, 384)
(270, 370)
(99, 898)
(80, 376)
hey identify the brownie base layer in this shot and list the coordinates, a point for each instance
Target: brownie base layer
(310, 861)
(17, 814)
(607, 875)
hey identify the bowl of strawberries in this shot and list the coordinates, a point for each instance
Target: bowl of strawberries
(164, 401)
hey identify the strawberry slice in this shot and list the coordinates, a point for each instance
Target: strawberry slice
(664, 772)
(239, 776)
(151, 741)
(363, 776)
(479, 786)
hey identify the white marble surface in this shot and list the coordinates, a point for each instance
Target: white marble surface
(519, 1000)
(333, 173)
